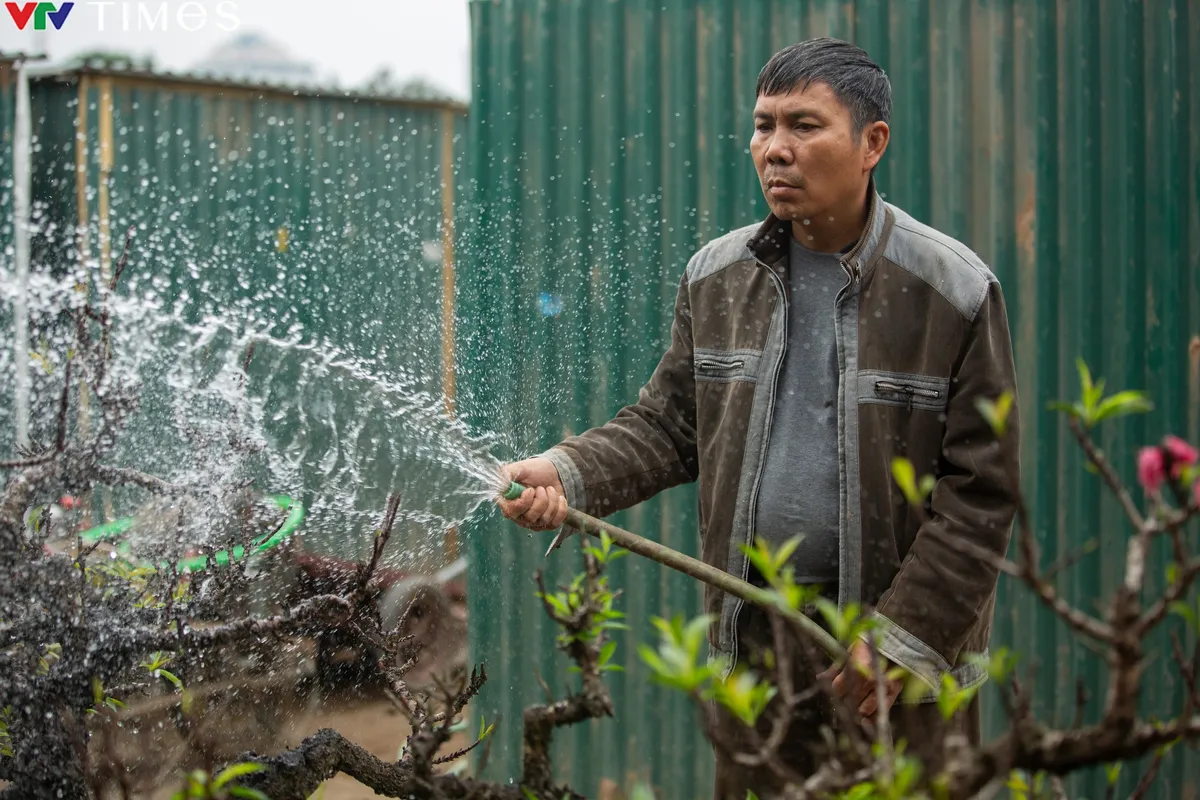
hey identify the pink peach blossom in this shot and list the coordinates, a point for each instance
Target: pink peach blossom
(1151, 469)
(1181, 454)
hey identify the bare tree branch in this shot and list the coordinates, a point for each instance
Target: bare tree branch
(119, 476)
(1110, 476)
(1078, 620)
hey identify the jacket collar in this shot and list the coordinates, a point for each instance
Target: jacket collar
(769, 244)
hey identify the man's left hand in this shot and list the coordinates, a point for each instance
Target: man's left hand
(856, 682)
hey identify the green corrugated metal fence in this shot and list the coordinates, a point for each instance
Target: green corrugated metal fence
(1061, 141)
(322, 216)
(8, 89)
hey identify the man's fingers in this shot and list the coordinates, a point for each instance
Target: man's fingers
(547, 517)
(560, 516)
(870, 704)
(840, 682)
(863, 692)
(537, 508)
(515, 509)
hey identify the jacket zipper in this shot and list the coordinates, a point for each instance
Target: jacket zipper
(722, 365)
(907, 389)
(762, 457)
(853, 274)
(850, 265)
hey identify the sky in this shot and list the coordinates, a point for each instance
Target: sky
(349, 39)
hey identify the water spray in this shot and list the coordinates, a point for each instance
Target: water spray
(694, 568)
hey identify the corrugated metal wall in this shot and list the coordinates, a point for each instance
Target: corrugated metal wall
(1061, 141)
(8, 89)
(322, 217)
(8, 92)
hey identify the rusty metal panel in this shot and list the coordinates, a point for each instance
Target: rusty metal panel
(1060, 141)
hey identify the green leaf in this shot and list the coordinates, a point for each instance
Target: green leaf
(528, 794)
(927, 485)
(996, 412)
(40, 359)
(760, 556)
(695, 632)
(1166, 747)
(906, 478)
(556, 602)
(744, 695)
(1113, 772)
(1085, 376)
(248, 794)
(1016, 782)
(1188, 475)
(1183, 610)
(676, 662)
(1071, 409)
(178, 684)
(606, 653)
(605, 541)
(656, 664)
(641, 791)
(1122, 404)
(484, 732)
(197, 783)
(186, 701)
(35, 518)
(785, 551)
(235, 771)
(844, 625)
(951, 697)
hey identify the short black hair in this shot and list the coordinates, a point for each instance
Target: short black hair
(858, 82)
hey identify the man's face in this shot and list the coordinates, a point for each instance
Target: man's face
(810, 162)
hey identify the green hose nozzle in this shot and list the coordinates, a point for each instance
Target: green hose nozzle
(514, 491)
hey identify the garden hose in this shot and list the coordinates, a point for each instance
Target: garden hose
(697, 569)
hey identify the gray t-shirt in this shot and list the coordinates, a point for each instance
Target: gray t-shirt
(799, 489)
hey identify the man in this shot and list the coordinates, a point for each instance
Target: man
(806, 353)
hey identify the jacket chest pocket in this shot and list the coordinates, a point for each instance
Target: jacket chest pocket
(907, 390)
(725, 366)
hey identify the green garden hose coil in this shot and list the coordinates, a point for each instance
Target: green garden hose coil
(118, 527)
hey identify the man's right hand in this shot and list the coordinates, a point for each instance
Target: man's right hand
(543, 505)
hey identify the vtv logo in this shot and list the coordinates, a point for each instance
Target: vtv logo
(40, 13)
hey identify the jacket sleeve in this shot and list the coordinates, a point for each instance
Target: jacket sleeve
(649, 446)
(941, 591)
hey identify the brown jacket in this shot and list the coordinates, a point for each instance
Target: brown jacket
(921, 332)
